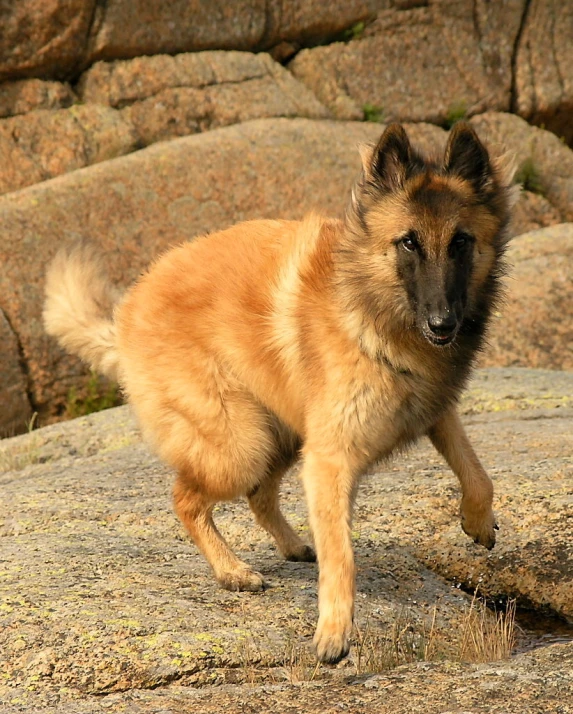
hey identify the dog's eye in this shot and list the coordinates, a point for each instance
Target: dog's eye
(460, 240)
(410, 243)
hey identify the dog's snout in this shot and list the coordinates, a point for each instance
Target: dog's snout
(442, 323)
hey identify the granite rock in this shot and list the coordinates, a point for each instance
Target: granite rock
(105, 605)
(430, 63)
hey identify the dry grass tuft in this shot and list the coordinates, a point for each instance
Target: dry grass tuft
(487, 636)
(25, 453)
(475, 635)
(300, 664)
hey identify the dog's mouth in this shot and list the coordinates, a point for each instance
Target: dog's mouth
(440, 338)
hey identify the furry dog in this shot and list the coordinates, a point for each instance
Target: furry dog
(337, 340)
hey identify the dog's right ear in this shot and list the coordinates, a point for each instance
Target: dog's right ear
(391, 161)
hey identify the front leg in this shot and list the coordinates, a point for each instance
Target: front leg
(449, 438)
(329, 487)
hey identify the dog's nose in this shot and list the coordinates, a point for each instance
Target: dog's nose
(442, 324)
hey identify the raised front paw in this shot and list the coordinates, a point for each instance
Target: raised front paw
(479, 526)
(332, 640)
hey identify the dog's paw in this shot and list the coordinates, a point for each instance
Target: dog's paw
(332, 642)
(480, 527)
(242, 579)
(302, 554)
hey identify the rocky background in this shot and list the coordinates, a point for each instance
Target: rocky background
(137, 124)
(255, 109)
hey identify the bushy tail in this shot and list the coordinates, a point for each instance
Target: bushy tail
(78, 310)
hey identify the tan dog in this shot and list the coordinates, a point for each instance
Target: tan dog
(340, 341)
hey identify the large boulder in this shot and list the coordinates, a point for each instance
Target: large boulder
(543, 77)
(44, 38)
(164, 97)
(535, 325)
(103, 594)
(56, 39)
(430, 63)
(544, 162)
(46, 143)
(130, 104)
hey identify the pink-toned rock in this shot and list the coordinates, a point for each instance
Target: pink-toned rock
(532, 212)
(535, 325)
(160, 98)
(25, 95)
(58, 38)
(19, 169)
(128, 28)
(542, 158)
(543, 74)
(43, 38)
(15, 408)
(423, 64)
(164, 97)
(43, 144)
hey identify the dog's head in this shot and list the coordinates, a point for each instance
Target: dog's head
(427, 237)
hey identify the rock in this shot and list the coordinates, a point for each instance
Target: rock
(545, 163)
(543, 79)
(43, 144)
(19, 169)
(56, 39)
(539, 682)
(28, 94)
(43, 38)
(531, 212)
(14, 404)
(136, 206)
(535, 327)
(160, 98)
(429, 63)
(115, 600)
(128, 29)
(163, 97)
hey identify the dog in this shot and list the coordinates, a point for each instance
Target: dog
(339, 341)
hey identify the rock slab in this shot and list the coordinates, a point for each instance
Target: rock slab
(535, 325)
(54, 39)
(105, 604)
(430, 63)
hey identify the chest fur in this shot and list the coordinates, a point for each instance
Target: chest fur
(378, 415)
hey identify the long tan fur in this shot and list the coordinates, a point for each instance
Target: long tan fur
(243, 349)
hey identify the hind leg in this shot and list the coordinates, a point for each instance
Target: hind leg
(195, 511)
(264, 502)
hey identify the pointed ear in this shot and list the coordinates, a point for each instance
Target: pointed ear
(467, 157)
(389, 163)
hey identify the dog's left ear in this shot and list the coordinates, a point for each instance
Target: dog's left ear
(467, 157)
